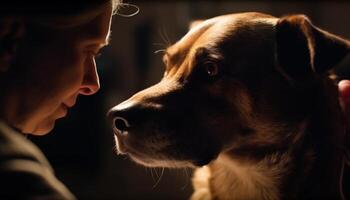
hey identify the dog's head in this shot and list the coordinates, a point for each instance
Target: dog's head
(232, 82)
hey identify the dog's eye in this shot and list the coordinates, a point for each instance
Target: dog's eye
(212, 69)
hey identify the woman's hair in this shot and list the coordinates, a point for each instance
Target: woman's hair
(56, 14)
(44, 15)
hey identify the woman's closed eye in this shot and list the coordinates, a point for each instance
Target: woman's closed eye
(94, 53)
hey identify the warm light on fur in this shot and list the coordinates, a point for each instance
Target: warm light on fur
(246, 98)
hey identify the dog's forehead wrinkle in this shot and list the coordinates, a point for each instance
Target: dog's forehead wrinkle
(193, 39)
(224, 32)
(197, 31)
(165, 86)
(184, 44)
(175, 55)
(210, 34)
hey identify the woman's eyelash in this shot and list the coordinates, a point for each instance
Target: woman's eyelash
(98, 54)
(94, 53)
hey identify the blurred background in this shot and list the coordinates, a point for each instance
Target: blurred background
(81, 148)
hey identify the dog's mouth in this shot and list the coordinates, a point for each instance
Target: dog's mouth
(163, 136)
(149, 160)
(162, 154)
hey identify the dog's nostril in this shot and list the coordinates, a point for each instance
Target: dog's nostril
(121, 124)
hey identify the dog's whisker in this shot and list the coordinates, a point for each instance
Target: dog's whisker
(159, 50)
(156, 172)
(159, 177)
(167, 39)
(164, 36)
(187, 179)
(160, 44)
(186, 172)
(152, 174)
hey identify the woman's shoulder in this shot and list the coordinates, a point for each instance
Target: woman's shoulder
(14, 145)
(25, 173)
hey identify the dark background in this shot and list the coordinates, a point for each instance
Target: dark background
(81, 148)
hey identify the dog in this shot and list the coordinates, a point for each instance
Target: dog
(247, 99)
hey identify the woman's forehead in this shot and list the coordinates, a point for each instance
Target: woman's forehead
(98, 29)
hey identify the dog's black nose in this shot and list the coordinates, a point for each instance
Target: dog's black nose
(129, 116)
(119, 117)
(121, 124)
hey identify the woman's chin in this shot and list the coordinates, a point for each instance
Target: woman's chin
(44, 126)
(41, 129)
(41, 132)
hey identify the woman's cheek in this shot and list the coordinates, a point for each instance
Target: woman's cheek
(70, 75)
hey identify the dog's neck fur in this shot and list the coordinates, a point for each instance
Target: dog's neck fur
(234, 180)
(290, 171)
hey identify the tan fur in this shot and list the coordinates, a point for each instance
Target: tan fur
(229, 178)
(246, 98)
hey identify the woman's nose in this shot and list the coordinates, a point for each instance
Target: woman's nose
(91, 82)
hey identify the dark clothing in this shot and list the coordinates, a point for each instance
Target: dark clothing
(25, 173)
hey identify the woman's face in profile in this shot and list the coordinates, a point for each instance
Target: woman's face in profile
(52, 75)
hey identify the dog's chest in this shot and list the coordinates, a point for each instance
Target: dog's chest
(228, 180)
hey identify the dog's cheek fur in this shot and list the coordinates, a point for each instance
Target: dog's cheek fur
(175, 134)
(200, 126)
(224, 111)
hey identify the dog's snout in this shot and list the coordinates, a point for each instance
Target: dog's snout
(126, 116)
(130, 115)
(121, 124)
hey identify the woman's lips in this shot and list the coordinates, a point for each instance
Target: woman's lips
(63, 111)
(68, 105)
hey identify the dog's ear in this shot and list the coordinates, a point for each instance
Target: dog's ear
(303, 49)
